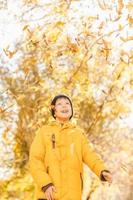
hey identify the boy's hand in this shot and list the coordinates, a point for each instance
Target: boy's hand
(49, 193)
(108, 176)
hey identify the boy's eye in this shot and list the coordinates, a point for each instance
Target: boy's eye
(60, 104)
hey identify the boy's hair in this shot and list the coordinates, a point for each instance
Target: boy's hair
(54, 102)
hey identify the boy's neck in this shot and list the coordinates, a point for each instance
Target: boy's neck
(61, 121)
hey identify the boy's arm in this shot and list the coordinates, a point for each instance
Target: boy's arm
(36, 161)
(92, 159)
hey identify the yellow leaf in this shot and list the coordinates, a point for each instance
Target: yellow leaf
(5, 134)
(130, 6)
(120, 6)
(53, 35)
(8, 52)
(59, 24)
(30, 1)
(73, 47)
(130, 19)
(1, 110)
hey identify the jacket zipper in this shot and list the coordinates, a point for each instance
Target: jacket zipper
(53, 141)
(81, 181)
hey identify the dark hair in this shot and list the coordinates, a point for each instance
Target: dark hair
(54, 102)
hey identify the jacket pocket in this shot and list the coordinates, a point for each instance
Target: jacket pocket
(81, 180)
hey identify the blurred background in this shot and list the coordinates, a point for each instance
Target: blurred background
(84, 49)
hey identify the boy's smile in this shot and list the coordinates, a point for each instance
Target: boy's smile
(65, 111)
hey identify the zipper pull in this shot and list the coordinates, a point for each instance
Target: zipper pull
(53, 141)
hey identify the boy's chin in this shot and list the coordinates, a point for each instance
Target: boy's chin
(65, 118)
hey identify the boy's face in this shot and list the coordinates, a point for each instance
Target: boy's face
(63, 109)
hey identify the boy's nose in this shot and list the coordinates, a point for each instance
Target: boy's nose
(64, 106)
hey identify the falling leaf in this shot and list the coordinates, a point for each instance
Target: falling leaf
(9, 53)
(59, 24)
(53, 35)
(73, 47)
(120, 6)
(102, 5)
(130, 19)
(2, 110)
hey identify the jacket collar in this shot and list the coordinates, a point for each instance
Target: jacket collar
(67, 124)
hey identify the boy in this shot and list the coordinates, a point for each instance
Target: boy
(57, 155)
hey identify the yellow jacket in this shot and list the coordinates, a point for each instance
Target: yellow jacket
(57, 155)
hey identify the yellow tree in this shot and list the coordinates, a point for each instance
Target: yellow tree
(89, 58)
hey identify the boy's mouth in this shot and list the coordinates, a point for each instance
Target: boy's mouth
(64, 111)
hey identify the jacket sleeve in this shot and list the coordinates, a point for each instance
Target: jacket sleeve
(91, 158)
(37, 167)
